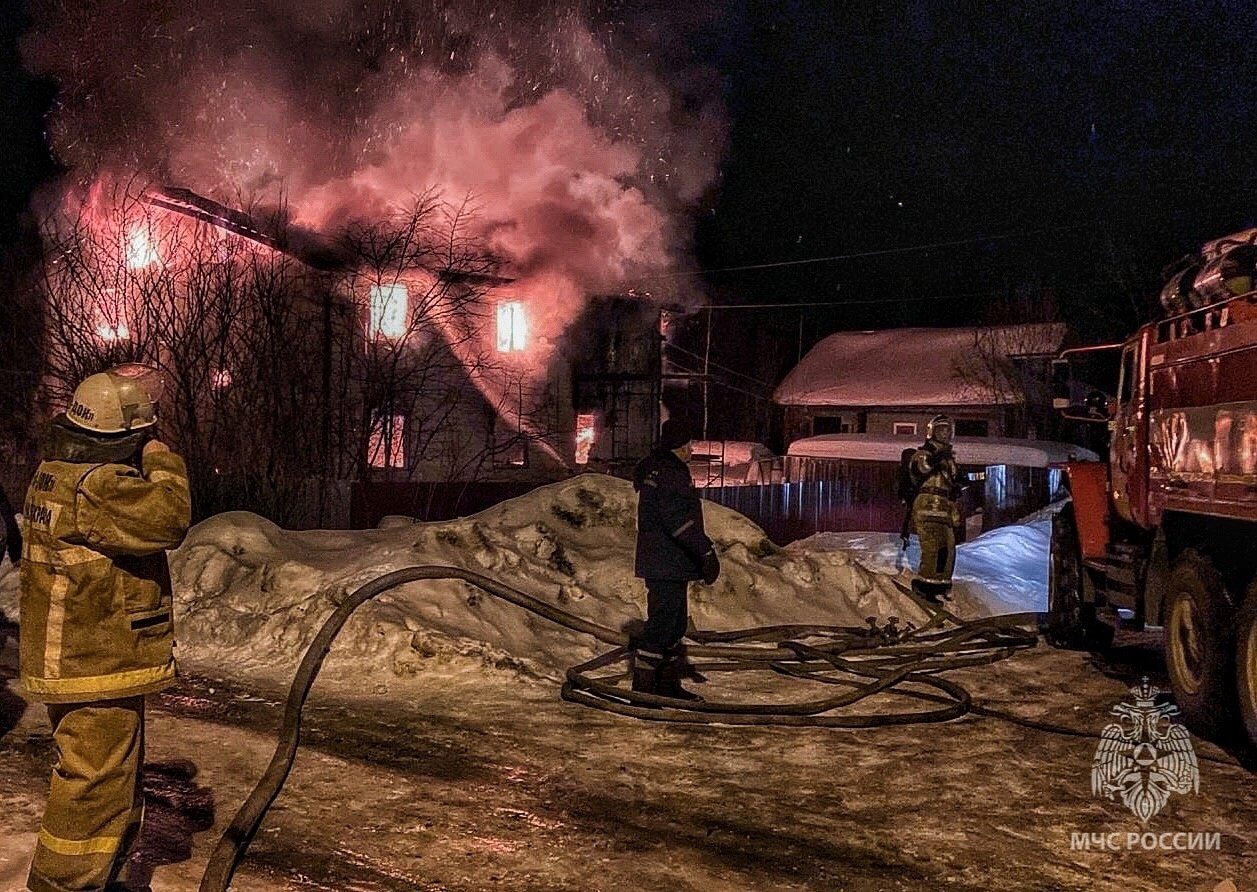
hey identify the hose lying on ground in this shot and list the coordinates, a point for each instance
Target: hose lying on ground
(862, 661)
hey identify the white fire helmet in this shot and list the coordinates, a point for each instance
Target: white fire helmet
(940, 429)
(118, 400)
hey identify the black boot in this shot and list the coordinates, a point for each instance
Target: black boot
(670, 682)
(934, 592)
(645, 680)
(644, 669)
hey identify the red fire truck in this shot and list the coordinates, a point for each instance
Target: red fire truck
(1165, 532)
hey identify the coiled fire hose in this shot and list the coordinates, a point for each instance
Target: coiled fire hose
(861, 661)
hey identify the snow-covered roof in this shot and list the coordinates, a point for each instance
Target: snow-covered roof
(969, 450)
(731, 452)
(913, 366)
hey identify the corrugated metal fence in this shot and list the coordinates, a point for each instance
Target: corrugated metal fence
(840, 496)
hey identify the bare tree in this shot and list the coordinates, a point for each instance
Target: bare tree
(1009, 366)
(283, 379)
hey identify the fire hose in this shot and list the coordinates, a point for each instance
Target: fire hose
(862, 662)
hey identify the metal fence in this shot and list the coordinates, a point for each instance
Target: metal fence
(848, 496)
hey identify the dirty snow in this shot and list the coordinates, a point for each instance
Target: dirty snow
(466, 776)
(251, 596)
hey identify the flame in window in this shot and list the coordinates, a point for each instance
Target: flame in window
(221, 379)
(112, 332)
(139, 249)
(586, 435)
(388, 311)
(512, 327)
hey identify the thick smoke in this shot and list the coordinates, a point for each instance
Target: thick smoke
(584, 149)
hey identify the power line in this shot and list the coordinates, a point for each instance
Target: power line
(882, 252)
(844, 303)
(725, 384)
(722, 368)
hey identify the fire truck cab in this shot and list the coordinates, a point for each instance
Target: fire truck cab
(1165, 532)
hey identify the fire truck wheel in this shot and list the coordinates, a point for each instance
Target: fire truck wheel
(1246, 662)
(1199, 645)
(1072, 624)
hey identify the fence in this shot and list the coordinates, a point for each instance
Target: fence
(851, 495)
(838, 495)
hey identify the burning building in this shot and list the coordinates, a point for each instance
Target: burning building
(384, 366)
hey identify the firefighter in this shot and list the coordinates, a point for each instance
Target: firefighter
(96, 625)
(934, 511)
(672, 551)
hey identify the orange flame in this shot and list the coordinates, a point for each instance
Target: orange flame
(586, 435)
(139, 249)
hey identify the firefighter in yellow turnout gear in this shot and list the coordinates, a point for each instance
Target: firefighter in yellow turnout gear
(96, 627)
(934, 511)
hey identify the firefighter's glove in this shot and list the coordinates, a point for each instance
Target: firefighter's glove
(711, 566)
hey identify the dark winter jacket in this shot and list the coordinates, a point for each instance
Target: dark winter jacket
(10, 534)
(671, 543)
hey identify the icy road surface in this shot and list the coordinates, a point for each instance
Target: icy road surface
(437, 755)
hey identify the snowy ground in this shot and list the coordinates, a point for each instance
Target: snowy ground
(1003, 571)
(438, 756)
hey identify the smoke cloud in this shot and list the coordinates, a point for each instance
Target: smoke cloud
(584, 147)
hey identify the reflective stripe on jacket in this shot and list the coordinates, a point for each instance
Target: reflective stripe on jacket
(935, 469)
(96, 620)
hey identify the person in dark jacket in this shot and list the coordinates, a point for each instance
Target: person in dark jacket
(10, 533)
(672, 551)
(10, 543)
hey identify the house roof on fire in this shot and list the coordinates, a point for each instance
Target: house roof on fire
(926, 367)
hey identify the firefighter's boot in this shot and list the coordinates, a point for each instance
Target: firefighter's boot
(934, 592)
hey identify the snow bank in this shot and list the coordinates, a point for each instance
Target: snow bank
(250, 596)
(1002, 571)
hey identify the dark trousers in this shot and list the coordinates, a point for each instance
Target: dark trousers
(667, 614)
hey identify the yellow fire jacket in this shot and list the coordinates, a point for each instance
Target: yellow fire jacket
(96, 619)
(936, 471)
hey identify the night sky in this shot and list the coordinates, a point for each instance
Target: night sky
(1076, 147)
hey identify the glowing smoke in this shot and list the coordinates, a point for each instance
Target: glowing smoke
(582, 151)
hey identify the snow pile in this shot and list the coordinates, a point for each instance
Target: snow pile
(250, 596)
(1002, 571)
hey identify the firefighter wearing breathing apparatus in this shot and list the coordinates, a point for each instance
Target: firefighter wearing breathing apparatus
(935, 513)
(96, 627)
(672, 551)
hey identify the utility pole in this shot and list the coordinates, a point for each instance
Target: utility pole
(706, 371)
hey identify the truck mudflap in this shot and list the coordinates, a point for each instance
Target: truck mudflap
(1089, 489)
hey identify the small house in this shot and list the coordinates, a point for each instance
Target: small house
(994, 381)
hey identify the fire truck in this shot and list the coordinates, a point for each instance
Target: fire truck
(1165, 532)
